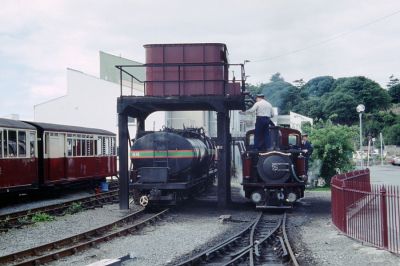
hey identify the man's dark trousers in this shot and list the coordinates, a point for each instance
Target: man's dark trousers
(261, 134)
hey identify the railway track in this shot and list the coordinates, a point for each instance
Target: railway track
(262, 242)
(74, 244)
(20, 218)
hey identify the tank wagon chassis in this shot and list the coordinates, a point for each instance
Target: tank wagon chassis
(170, 165)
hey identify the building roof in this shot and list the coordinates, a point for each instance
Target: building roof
(72, 129)
(10, 123)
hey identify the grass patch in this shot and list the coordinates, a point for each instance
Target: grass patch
(75, 208)
(325, 188)
(42, 217)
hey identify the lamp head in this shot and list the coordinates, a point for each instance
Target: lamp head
(360, 108)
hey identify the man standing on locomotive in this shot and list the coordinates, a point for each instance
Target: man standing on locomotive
(264, 113)
(307, 148)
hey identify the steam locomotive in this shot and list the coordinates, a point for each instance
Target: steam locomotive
(275, 178)
(170, 165)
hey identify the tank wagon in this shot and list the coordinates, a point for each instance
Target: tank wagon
(275, 178)
(40, 155)
(170, 165)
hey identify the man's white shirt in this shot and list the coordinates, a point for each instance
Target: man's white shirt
(262, 108)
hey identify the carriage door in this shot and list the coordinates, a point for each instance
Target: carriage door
(55, 146)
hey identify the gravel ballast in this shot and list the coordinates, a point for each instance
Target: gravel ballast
(318, 242)
(194, 227)
(43, 232)
(183, 231)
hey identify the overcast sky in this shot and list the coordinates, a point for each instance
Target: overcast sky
(299, 39)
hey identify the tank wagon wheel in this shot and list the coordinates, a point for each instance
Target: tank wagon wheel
(144, 201)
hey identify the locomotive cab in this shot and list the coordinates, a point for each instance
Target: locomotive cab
(276, 177)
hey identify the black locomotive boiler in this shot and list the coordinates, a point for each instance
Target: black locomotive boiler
(170, 165)
(275, 178)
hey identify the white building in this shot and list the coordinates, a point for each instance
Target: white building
(92, 102)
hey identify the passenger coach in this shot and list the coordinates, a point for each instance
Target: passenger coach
(35, 155)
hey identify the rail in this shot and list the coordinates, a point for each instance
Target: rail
(179, 69)
(20, 218)
(71, 245)
(263, 241)
(366, 212)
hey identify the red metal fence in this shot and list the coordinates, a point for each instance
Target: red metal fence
(369, 213)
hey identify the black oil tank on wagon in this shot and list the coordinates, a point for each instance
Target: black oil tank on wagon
(170, 164)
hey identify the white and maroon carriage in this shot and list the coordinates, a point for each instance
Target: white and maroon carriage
(36, 155)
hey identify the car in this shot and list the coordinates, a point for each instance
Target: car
(395, 161)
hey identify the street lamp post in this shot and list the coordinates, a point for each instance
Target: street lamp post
(360, 109)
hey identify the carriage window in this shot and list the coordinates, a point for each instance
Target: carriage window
(5, 146)
(1, 143)
(91, 146)
(69, 147)
(95, 152)
(74, 146)
(83, 141)
(113, 147)
(12, 143)
(99, 146)
(292, 139)
(104, 146)
(21, 144)
(78, 147)
(32, 145)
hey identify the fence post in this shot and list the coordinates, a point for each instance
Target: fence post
(384, 217)
(344, 211)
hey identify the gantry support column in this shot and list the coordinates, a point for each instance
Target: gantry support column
(224, 162)
(123, 161)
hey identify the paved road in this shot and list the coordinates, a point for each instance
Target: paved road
(386, 174)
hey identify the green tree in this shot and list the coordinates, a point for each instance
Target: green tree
(340, 107)
(392, 134)
(393, 81)
(365, 91)
(379, 121)
(310, 107)
(276, 77)
(319, 86)
(253, 89)
(333, 145)
(394, 92)
(299, 83)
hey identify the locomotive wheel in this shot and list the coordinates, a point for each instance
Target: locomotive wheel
(144, 201)
(136, 195)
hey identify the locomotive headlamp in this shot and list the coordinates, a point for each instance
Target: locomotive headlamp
(291, 197)
(256, 196)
